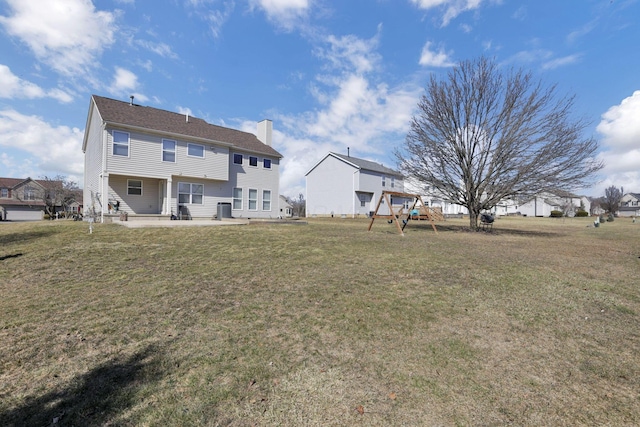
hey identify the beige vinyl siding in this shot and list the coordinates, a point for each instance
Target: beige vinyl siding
(214, 192)
(256, 178)
(145, 158)
(330, 188)
(93, 159)
(146, 203)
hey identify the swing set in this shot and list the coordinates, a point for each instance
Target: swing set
(418, 211)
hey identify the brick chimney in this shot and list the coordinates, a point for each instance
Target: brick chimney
(265, 129)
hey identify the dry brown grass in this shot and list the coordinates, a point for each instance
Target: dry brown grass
(535, 323)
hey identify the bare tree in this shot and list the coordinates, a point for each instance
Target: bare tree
(298, 205)
(612, 197)
(58, 193)
(483, 135)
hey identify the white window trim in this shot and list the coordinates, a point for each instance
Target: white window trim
(263, 200)
(191, 193)
(114, 143)
(270, 164)
(141, 187)
(189, 144)
(249, 199)
(233, 198)
(257, 161)
(175, 151)
(233, 159)
(384, 181)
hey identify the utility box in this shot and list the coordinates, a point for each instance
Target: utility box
(224, 210)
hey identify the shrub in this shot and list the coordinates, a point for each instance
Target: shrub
(582, 213)
(556, 214)
(610, 218)
(601, 219)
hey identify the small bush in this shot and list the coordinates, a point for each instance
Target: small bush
(601, 219)
(556, 214)
(582, 213)
(610, 218)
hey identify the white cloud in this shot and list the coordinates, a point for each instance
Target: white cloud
(217, 18)
(620, 130)
(54, 149)
(452, 8)
(285, 13)
(561, 62)
(67, 36)
(13, 87)
(161, 49)
(350, 53)
(431, 58)
(123, 81)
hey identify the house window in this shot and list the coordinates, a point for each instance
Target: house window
(237, 198)
(253, 161)
(253, 199)
(266, 163)
(134, 187)
(266, 200)
(29, 193)
(4, 193)
(168, 150)
(195, 150)
(384, 183)
(393, 182)
(190, 194)
(363, 200)
(120, 143)
(237, 159)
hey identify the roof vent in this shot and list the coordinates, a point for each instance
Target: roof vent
(131, 102)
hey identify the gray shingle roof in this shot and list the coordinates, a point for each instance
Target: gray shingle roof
(128, 114)
(368, 165)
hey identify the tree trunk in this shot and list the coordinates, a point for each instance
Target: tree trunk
(473, 219)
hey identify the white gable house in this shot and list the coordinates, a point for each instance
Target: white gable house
(340, 185)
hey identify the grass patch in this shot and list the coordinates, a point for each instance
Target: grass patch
(534, 323)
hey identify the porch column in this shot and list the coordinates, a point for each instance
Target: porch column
(167, 206)
(104, 195)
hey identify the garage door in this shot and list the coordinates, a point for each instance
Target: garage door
(15, 213)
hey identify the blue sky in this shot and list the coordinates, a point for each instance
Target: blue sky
(331, 74)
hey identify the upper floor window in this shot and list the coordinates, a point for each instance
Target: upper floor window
(384, 181)
(237, 159)
(253, 161)
(266, 200)
(393, 182)
(195, 150)
(190, 193)
(120, 143)
(168, 150)
(134, 187)
(29, 193)
(4, 193)
(266, 163)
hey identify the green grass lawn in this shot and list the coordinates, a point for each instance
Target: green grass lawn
(535, 323)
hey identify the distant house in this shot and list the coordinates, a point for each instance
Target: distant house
(21, 199)
(340, 185)
(629, 205)
(433, 198)
(147, 161)
(544, 203)
(286, 210)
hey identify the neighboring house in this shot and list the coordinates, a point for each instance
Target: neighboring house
(544, 203)
(434, 198)
(146, 161)
(629, 205)
(286, 210)
(21, 199)
(340, 185)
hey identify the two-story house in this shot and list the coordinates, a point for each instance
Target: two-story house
(340, 185)
(21, 199)
(629, 205)
(147, 161)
